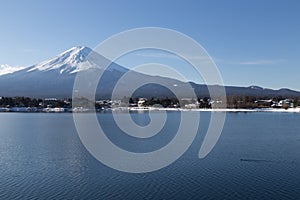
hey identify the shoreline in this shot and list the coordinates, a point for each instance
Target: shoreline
(290, 110)
(147, 109)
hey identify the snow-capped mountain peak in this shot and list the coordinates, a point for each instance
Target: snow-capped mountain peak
(66, 62)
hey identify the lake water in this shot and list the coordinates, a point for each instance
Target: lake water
(257, 157)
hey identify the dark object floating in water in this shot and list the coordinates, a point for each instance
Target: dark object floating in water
(254, 160)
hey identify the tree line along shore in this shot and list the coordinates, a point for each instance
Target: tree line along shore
(27, 104)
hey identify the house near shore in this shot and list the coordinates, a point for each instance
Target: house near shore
(2, 109)
(141, 102)
(286, 103)
(23, 109)
(265, 103)
(55, 110)
(191, 106)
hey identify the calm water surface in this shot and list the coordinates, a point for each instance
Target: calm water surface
(257, 157)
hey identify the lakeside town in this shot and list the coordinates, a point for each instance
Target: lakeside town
(234, 104)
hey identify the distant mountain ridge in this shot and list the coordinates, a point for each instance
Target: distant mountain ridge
(55, 78)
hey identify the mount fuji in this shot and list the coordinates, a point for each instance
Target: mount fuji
(55, 78)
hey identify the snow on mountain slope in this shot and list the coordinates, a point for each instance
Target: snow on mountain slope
(7, 69)
(66, 62)
(74, 60)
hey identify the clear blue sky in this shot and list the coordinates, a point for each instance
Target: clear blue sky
(253, 42)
